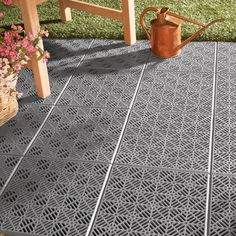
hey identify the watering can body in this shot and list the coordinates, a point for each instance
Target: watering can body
(164, 39)
(165, 36)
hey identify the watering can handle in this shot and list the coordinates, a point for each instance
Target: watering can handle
(204, 27)
(142, 22)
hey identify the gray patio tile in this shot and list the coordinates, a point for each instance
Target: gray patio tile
(175, 92)
(226, 58)
(145, 201)
(80, 133)
(225, 124)
(101, 88)
(224, 145)
(8, 162)
(17, 133)
(195, 57)
(226, 95)
(166, 140)
(223, 205)
(51, 197)
(115, 54)
(65, 56)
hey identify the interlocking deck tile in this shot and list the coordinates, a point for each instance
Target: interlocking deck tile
(175, 92)
(166, 140)
(8, 162)
(101, 88)
(224, 145)
(51, 197)
(159, 182)
(80, 133)
(226, 58)
(226, 95)
(115, 54)
(65, 56)
(223, 205)
(195, 57)
(17, 133)
(225, 125)
(144, 201)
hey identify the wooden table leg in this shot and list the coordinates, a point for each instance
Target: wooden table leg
(31, 24)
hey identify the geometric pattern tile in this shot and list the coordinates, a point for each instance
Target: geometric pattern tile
(64, 58)
(51, 197)
(223, 208)
(8, 162)
(158, 184)
(226, 95)
(101, 88)
(226, 58)
(80, 133)
(144, 201)
(175, 91)
(224, 145)
(166, 140)
(195, 57)
(115, 54)
(17, 133)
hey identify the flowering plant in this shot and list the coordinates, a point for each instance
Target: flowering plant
(16, 50)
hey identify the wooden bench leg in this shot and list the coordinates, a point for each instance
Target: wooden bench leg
(65, 12)
(129, 21)
(31, 23)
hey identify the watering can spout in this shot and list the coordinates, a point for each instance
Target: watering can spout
(192, 37)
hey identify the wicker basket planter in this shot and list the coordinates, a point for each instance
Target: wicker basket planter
(8, 100)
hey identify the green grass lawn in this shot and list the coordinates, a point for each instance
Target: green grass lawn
(85, 25)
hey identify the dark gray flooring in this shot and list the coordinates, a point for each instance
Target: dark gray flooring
(127, 144)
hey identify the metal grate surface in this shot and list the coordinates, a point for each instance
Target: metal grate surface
(143, 201)
(51, 197)
(175, 92)
(226, 58)
(101, 88)
(80, 133)
(226, 99)
(158, 184)
(169, 126)
(116, 54)
(224, 150)
(8, 162)
(166, 140)
(195, 57)
(64, 58)
(223, 205)
(17, 133)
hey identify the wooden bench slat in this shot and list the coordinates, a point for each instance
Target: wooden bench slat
(94, 9)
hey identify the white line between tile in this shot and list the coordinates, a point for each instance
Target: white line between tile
(41, 126)
(211, 149)
(102, 192)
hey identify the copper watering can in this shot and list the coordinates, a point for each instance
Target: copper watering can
(165, 34)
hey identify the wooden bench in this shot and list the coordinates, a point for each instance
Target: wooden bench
(31, 23)
(126, 15)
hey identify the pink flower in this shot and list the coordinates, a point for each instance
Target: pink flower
(19, 95)
(8, 2)
(2, 14)
(46, 55)
(14, 27)
(16, 50)
(19, 27)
